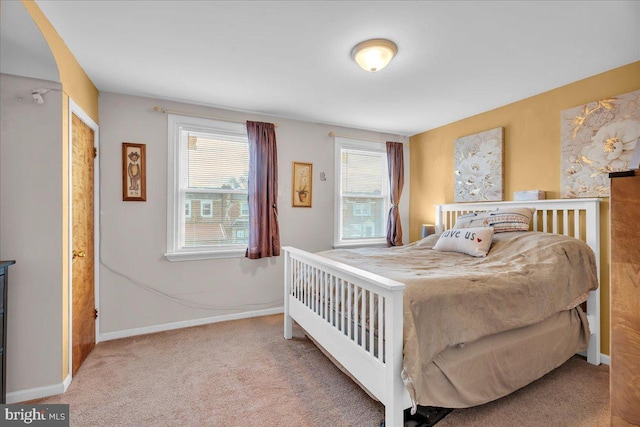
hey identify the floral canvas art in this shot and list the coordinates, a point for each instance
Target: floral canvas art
(301, 192)
(478, 167)
(598, 138)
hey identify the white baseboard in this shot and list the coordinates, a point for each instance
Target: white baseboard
(66, 383)
(38, 392)
(605, 359)
(107, 336)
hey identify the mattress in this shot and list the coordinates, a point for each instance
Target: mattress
(496, 365)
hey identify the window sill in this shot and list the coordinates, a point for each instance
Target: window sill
(360, 244)
(202, 255)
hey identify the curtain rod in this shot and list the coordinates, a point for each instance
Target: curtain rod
(334, 135)
(202, 116)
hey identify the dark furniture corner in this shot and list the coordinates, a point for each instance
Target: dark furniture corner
(4, 267)
(624, 372)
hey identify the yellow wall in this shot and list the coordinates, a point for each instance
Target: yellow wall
(77, 86)
(532, 155)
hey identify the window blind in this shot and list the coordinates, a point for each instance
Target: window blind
(364, 194)
(215, 172)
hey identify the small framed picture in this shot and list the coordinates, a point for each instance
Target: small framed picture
(134, 172)
(301, 191)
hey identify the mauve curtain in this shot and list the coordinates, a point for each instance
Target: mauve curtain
(264, 233)
(395, 162)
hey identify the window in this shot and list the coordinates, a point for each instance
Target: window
(361, 209)
(362, 193)
(244, 209)
(208, 176)
(206, 208)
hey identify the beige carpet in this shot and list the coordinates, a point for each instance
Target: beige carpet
(244, 373)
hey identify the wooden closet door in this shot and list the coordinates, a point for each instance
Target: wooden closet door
(83, 283)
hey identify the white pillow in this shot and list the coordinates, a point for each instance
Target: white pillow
(502, 220)
(474, 241)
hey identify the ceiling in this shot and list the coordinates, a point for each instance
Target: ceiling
(291, 59)
(23, 49)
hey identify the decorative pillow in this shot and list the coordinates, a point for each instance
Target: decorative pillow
(474, 219)
(474, 241)
(502, 220)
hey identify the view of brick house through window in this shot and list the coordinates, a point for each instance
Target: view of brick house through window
(214, 188)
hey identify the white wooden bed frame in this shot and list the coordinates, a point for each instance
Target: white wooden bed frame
(313, 284)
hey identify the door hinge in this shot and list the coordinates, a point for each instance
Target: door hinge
(95, 313)
(95, 152)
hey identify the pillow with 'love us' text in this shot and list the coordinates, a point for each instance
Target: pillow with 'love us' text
(474, 241)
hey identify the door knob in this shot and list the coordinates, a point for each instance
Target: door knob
(78, 254)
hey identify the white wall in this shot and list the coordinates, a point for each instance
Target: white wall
(31, 230)
(139, 288)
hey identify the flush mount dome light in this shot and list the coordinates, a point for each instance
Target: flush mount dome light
(373, 55)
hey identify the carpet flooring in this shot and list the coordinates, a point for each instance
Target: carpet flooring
(244, 373)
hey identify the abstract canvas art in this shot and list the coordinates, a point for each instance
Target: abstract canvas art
(478, 167)
(598, 138)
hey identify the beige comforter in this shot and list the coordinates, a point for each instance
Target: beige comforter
(453, 298)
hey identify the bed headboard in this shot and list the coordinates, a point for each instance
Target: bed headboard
(579, 218)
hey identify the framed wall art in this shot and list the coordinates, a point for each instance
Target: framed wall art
(598, 138)
(301, 192)
(134, 176)
(478, 173)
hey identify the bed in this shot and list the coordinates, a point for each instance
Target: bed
(372, 314)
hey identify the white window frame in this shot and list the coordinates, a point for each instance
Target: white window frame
(187, 205)
(202, 205)
(353, 144)
(176, 198)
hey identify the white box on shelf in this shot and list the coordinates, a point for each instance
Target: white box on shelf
(529, 195)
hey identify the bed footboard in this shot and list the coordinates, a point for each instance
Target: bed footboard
(356, 316)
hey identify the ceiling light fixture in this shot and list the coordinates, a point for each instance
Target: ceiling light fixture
(375, 54)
